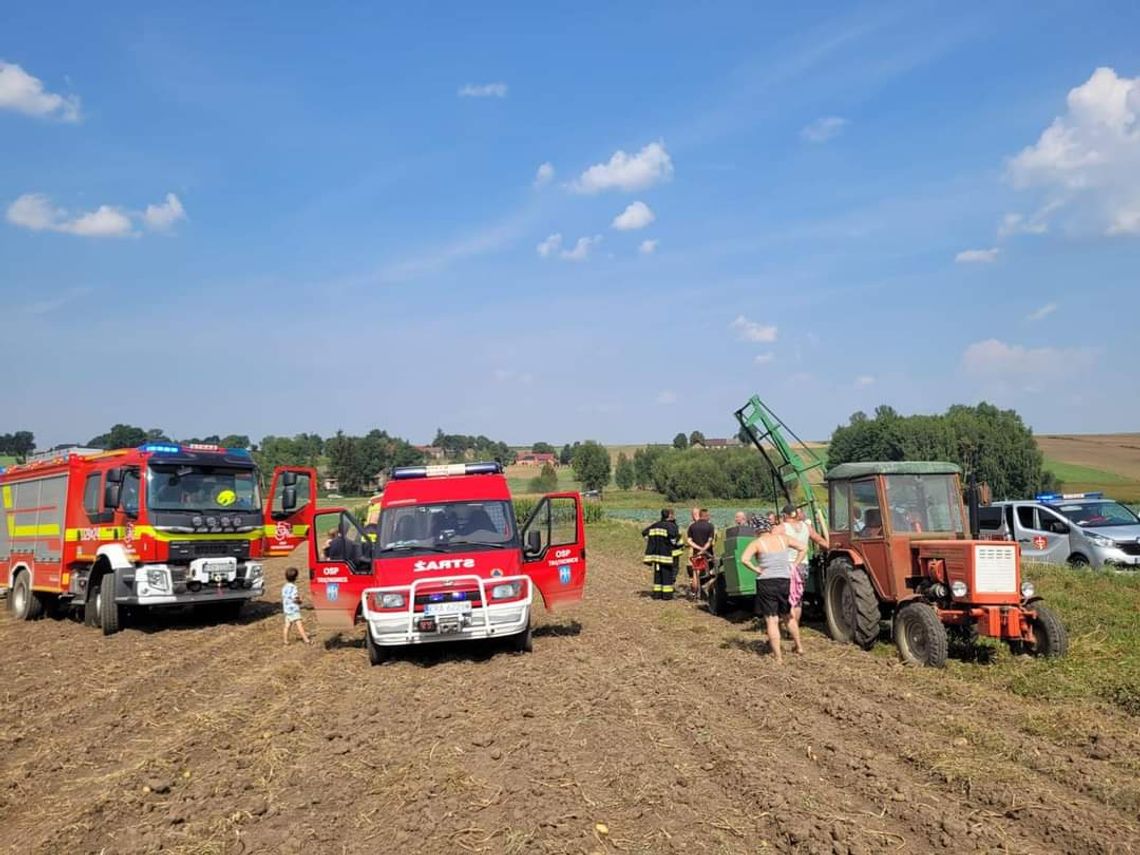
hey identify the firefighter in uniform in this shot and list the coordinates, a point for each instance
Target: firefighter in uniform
(662, 550)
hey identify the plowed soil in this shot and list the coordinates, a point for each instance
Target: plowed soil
(635, 726)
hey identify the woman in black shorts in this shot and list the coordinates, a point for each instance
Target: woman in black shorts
(773, 584)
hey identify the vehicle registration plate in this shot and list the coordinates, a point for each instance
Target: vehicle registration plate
(447, 608)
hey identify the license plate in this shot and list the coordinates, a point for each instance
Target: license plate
(218, 570)
(447, 609)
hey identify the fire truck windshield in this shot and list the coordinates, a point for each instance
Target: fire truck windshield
(180, 487)
(447, 526)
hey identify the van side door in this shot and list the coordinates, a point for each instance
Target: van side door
(554, 549)
(1042, 534)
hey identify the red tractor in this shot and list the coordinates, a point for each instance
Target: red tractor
(900, 552)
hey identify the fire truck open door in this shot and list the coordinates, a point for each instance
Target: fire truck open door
(554, 549)
(289, 509)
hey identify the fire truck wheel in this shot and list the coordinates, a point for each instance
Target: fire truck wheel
(25, 603)
(377, 655)
(523, 642)
(850, 606)
(1049, 632)
(718, 597)
(920, 636)
(109, 610)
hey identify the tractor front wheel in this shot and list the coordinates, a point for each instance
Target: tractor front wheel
(1050, 637)
(920, 636)
(850, 606)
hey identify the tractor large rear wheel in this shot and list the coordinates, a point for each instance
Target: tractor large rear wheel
(920, 636)
(850, 606)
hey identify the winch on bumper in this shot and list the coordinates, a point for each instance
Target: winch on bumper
(203, 580)
(488, 608)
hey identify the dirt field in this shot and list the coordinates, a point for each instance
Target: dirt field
(635, 726)
(1118, 453)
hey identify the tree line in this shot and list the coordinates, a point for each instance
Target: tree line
(995, 443)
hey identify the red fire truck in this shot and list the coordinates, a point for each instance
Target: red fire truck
(448, 560)
(158, 525)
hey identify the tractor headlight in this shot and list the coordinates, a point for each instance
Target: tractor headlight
(959, 588)
(392, 601)
(506, 591)
(1027, 589)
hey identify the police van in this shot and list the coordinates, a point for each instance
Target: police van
(1080, 529)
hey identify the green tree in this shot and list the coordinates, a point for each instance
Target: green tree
(546, 481)
(566, 456)
(348, 463)
(680, 442)
(120, 436)
(542, 448)
(624, 475)
(19, 444)
(591, 465)
(696, 438)
(236, 440)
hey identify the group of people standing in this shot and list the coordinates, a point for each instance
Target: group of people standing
(777, 554)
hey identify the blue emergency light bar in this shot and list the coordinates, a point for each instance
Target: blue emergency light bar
(1050, 498)
(404, 473)
(168, 448)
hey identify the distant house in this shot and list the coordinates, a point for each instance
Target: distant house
(430, 452)
(721, 443)
(536, 458)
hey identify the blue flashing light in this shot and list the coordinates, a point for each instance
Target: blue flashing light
(157, 448)
(1053, 498)
(3, 469)
(238, 452)
(404, 473)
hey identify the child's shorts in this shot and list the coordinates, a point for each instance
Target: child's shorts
(292, 619)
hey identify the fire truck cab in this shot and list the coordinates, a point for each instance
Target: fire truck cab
(448, 560)
(160, 525)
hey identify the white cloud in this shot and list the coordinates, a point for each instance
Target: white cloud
(997, 359)
(162, 217)
(23, 93)
(648, 246)
(550, 246)
(864, 380)
(752, 331)
(483, 90)
(637, 216)
(1019, 224)
(50, 304)
(544, 175)
(628, 171)
(1043, 312)
(34, 211)
(666, 397)
(582, 249)
(763, 358)
(1087, 161)
(977, 256)
(823, 129)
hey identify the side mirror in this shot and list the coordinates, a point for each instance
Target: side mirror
(534, 542)
(288, 479)
(112, 493)
(115, 476)
(289, 499)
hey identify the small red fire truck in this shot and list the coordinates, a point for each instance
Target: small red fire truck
(159, 525)
(448, 560)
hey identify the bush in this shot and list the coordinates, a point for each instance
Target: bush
(545, 482)
(700, 474)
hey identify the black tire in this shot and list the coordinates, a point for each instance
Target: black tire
(1051, 639)
(920, 636)
(718, 597)
(377, 655)
(1078, 560)
(850, 606)
(110, 612)
(25, 603)
(523, 642)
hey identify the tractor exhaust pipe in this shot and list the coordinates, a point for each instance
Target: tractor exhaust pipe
(972, 502)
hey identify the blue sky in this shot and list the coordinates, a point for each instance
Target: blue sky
(274, 219)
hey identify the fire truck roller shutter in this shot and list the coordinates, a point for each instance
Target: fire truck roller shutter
(33, 513)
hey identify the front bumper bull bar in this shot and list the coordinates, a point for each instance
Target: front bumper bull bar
(489, 620)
